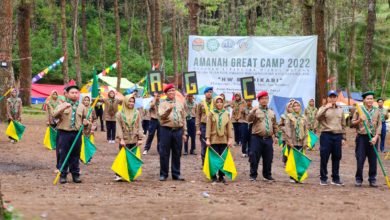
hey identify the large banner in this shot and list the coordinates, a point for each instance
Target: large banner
(283, 66)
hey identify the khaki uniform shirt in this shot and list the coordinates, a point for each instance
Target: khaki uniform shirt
(332, 120)
(131, 133)
(259, 127)
(172, 117)
(110, 108)
(211, 128)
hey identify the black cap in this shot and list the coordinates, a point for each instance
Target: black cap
(364, 95)
(380, 99)
(71, 87)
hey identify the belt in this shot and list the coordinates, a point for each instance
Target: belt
(263, 137)
(154, 119)
(65, 131)
(172, 129)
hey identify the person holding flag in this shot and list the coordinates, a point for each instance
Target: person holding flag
(384, 116)
(14, 109)
(264, 128)
(71, 115)
(310, 113)
(364, 144)
(203, 109)
(86, 101)
(128, 126)
(154, 124)
(110, 109)
(173, 132)
(219, 132)
(295, 130)
(238, 105)
(190, 108)
(282, 124)
(333, 137)
(52, 104)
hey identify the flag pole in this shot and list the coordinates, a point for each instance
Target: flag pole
(74, 142)
(5, 94)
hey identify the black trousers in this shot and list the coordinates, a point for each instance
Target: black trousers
(261, 147)
(154, 125)
(245, 137)
(57, 148)
(219, 148)
(99, 115)
(237, 134)
(111, 130)
(191, 130)
(65, 141)
(364, 150)
(203, 141)
(145, 126)
(170, 141)
(330, 144)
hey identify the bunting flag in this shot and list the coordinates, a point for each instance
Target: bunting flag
(88, 149)
(229, 168)
(108, 69)
(46, 71)
(312, 139)
(50, 140)
(146, 86)
(128, 163)
(15, 130)
(297, 165)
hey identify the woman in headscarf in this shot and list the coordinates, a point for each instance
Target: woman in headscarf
(128, 126)
(238, 105)
(14, 109)
(295, 130)
(110, 109)
(52, 104)
(219, 132)
(86, 101)
(310, 113)
(282, 124)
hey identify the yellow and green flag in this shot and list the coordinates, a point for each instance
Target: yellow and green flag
(212, 163)
(88, 149)
(297, 165)
(229, 168)
(127, 164)
(312, 139)
(280, 139)
(15, 130)
(95, 85)
(50, 140)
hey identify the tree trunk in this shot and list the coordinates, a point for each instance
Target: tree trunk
(307, 19)
(131, 21)
(352, 49)
(64, 42)
(193, 8)
(174, 43)
(334, 48)
(221, 22)
(157, 33)
(384, 79)
(181, 50)
(54, 21)
(76, 46)
(24, 15)
(368, 43)
(102, 27)
(118, 46)
(321, 51)
(6, 73)
(84, 28)
(149, 31)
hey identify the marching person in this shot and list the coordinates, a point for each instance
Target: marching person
(365, 146)
(245, 129)
(52, 104)
(202, 110)
(71, 115)
(128, 126)
(332, 138)
(219, 132)
(264, 128)
(173, 132)
(14, 109)
(110, 109)
(99, 112)
(310, 113)
(282, 124)
(295, 129)
(238, 105)
(154, 124)
(384, 116)
(86, 101)
(145, 121)
(190, 108)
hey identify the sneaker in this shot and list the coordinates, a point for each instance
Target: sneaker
(373, 184)
(252, 179)
(13, 141)
(269, 179)
(244, 155)
(292, 181)
(63, 179)
(358, 184)
(323, 182)
(185, 153)
(145, 152)
(117, 178)
(337, 183)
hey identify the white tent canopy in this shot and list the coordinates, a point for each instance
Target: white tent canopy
(112, 80)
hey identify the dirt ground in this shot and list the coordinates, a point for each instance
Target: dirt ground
(27, 173)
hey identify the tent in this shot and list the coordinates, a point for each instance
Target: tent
(343, 98)
(39, 92)
(112, 81)
(356, 96)
(278, 104)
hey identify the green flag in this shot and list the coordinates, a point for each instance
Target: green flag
(95, 85)
(311, 139)
(212, 163)
(297, 165)
(88, 149)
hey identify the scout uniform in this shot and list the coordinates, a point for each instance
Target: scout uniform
(154, 125)
(51, 106)
(173, 127)
(202, 110)
(332, 123)
(190, 108)
(145, 120)
(363, 146)
(14, 109)
(93, 119)
(310, 113)
(219, 132)
(263, 128)
(70, 121)
(237, 120)
(99, 113)
(295, 131)
(384, 116)
(110, 109)
(245, 130)
(282, 123)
